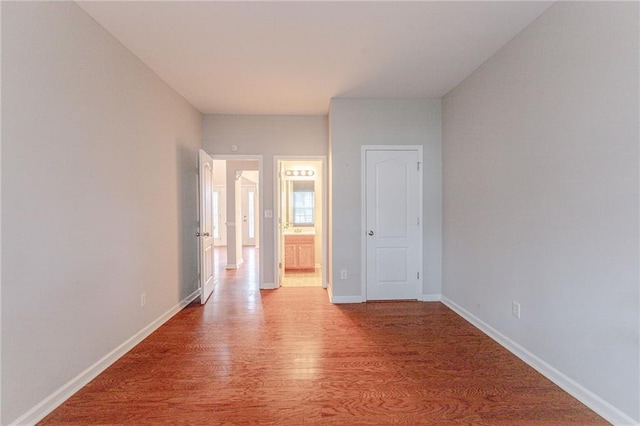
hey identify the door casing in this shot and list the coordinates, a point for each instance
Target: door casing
(278, 242)
(259, 158)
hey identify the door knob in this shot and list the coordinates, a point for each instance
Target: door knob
(370, 232)
(197, 234)
(206, 234)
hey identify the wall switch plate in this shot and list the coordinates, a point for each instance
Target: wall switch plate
(143, 300)
(268, 213)
(343, 274)
(515, 309)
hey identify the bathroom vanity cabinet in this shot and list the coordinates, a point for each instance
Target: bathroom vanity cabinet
(299, 252)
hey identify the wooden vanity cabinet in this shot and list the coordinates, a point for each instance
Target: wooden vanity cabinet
(299, 253)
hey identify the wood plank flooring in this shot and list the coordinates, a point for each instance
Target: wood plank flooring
(289, 357)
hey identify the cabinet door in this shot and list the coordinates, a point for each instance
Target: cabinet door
(306, 256)
(290, 256)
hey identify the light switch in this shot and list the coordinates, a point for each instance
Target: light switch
(268, 213)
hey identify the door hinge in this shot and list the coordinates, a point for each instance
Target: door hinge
(418, 221)
(418, 275)
(418, 166)
(280, 265)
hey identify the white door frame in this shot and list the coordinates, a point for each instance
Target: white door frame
(363, 210)
(259, 158)
(323, 160)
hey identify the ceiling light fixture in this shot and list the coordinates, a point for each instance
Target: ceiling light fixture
(299, 173)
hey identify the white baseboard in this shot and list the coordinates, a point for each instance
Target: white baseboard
(435, 297)
(336, 300)
(50, 403)
(588, 398)
(234, 265)
(268, 286)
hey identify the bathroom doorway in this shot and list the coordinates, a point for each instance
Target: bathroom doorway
(301, 221)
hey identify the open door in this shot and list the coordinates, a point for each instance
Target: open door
(205, 235)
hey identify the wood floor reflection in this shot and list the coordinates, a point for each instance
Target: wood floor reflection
(289, 357)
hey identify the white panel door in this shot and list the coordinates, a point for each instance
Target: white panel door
(205, 235)
(394, 237)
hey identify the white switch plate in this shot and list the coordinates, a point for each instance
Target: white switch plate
(343, 274)
(268, 213)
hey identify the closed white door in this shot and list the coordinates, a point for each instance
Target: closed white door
(393, 224)
(205, 234)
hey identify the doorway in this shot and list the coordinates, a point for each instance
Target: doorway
(237, 199)
(392, 218)
(300, 228)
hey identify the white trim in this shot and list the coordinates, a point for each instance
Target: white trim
(268, 286)
(234, 265)
(50, 403)
(336, 300)
(435, 297)
(325, 210)
(275, 212)
(260, 159)
(588, 398)
(363, 211)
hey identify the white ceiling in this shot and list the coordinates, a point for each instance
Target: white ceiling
(293, 57)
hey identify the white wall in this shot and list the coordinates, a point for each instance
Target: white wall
(266, 136)
(99, 163)
(541, 196)
(357, 122)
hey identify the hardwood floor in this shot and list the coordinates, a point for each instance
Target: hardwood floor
(289, 357)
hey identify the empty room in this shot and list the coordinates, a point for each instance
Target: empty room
(320, 212)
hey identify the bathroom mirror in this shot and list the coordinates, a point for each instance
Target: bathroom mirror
(301, 203)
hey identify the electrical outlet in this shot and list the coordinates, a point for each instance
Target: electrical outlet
(143, 300)
(343, 274)
(515, 309)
